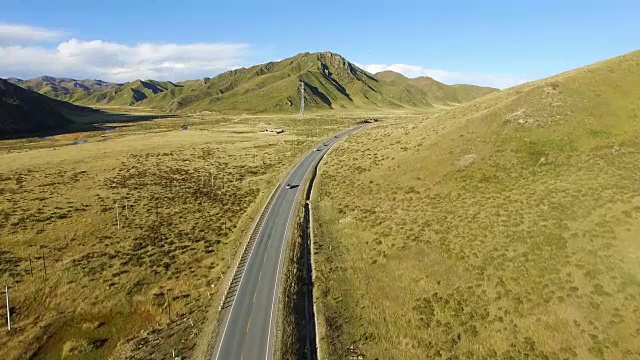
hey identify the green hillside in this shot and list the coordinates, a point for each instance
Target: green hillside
(24, 111)
(63, 88)
(425, 91)
(505, 228)
(129, 93)
(95, 92)
(330, 81)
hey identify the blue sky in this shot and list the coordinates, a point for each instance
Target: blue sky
(496, 43)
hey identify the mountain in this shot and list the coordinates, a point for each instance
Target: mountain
(95, 92)
(425, 91)
(129, 93)
(330, 82)
(25, 111)
(63, 88)
(500, 228)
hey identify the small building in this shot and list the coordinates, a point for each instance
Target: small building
(274, 131)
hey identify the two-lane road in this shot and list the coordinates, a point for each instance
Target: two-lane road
(249, 320)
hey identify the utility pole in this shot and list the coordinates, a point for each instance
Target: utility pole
(169, 302)
(6, 295)
(117, 215)
(302, 99)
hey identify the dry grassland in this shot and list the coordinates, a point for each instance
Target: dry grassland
(508, 228)
(80, 288)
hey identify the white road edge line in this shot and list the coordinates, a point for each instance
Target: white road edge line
(275, 288)
(281, 186)
(243, 273)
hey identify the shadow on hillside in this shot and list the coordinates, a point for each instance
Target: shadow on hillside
(89, 121)
(319, 94)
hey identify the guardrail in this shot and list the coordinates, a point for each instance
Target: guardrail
(232, 289)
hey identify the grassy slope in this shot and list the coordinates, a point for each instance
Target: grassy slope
(425, 91)
(128, 94)
(26, 111)
(64, 88)
(332, 82)
(271, 87)
(503, 228)
(95, 92)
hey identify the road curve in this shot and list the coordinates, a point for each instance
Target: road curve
(249, 308)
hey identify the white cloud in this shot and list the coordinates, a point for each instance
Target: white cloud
(23, 55)
(11, 34)
(112, 61)
(500, 81)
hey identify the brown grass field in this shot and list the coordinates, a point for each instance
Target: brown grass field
(506, 228)
(185, 201)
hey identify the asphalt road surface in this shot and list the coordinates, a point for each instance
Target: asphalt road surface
(249, 317)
